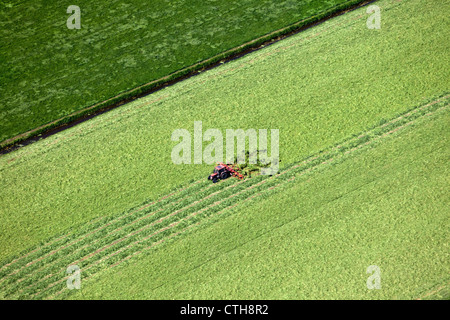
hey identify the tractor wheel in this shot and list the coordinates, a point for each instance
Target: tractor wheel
(214, 180)
(224, 175)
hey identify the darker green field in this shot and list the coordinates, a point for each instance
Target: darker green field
(48, 72)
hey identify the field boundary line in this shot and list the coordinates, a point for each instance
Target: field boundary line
(162, 98)
(281, 48)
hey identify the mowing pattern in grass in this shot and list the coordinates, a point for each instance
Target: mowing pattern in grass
(314, 237)
(48, 71)
(318, 87)
(40, 273)
(439, 292)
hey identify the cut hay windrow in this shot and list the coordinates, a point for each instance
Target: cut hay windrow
(116, 240)
(46, 244)
(206, 206)
(130, 223)
(105, 232)
(89, 232)
(162, 240)
(435, 290)
(47, 266)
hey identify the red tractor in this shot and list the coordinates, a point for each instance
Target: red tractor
(223, 171)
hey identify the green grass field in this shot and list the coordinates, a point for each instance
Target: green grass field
(40, 273)
(386, 206)
(48, 71)
(121, 159)
(363, 119)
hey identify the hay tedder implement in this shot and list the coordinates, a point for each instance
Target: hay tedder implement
(223, 171)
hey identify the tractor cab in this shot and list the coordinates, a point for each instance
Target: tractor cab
(220, 172)
(219, 169)
(223, 171)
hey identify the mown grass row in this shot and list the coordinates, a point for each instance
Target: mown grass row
(123, 238)
(136, 232)
(379, 205)
(116, 228)
(225, 199)
(97, 225)
(139, 231)
(109, 230)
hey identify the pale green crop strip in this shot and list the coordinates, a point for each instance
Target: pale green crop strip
(393, 174)
(92, 230)
(366, 143)
(105, 224)
(357, 141)
(385, 134)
